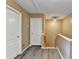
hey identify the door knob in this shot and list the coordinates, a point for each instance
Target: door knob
(18, 36)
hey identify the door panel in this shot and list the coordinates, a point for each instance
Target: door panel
(35, 31)
(12, 33)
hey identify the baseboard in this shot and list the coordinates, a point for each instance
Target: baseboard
(54, 48)
(19, 56)
(48, 47)
(60, 53)
(25, 49)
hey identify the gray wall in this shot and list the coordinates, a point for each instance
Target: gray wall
(65, 47)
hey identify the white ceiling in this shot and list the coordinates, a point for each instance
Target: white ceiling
(59, 8)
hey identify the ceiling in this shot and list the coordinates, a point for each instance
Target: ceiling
(50, 8)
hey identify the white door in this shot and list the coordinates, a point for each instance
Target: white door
(35, 31)
(13, 46)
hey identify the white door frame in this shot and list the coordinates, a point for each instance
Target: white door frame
(20, 24)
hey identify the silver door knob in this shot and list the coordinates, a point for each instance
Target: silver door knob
(18, 36)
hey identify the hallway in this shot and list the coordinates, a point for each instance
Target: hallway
(38, 29)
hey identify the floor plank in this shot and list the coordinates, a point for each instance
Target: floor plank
(35, 52)
(44, 54)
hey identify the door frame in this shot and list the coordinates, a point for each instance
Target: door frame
(20, 25)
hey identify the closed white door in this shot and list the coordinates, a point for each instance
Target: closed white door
(13, 46)
(35, 31)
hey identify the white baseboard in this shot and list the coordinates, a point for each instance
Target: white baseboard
(25, 49)
(60, 53)
(48, 47)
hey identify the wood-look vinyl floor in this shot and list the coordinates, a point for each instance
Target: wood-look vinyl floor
(35, 52)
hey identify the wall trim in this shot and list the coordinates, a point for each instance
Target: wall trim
(25, 49)
(48, 47)
(56, 49)
(59, 53)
